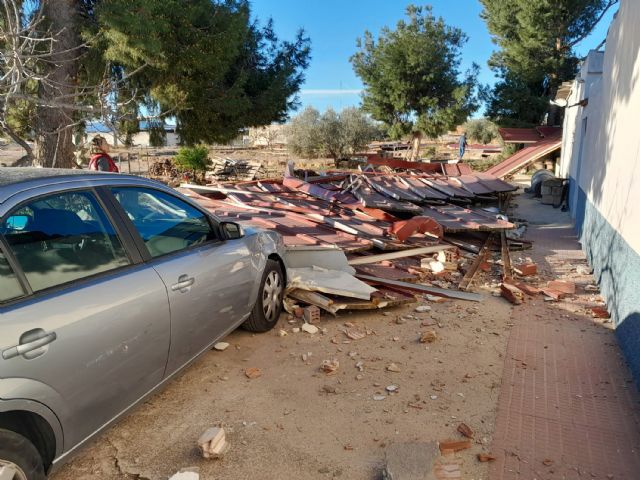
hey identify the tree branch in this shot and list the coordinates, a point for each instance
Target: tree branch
(586, 34)
(16, 138)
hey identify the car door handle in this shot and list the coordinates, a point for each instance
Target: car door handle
(23, 348)
(184, 282)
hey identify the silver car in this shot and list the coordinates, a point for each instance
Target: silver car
(110, 285)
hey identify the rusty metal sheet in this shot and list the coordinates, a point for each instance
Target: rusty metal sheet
(372, 199)
(454, 218)
(387, 271)
(392, 187)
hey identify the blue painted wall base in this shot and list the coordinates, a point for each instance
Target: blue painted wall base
(617, 269)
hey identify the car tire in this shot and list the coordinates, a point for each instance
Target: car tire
(17, 453)
(266, 311)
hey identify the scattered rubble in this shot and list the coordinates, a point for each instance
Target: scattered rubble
(307, 327)
(213, 443)
(221, 346)
(253, 372)
(330, 366)
(354, 334)
(185, 475)
(392, 367)
(330, 224)
(465, 430)
(428, 337)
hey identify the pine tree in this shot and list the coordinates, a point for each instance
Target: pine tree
(412, 77)
(536, 41)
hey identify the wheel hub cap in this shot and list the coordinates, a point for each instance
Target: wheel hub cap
(11, 471)
(271, 295)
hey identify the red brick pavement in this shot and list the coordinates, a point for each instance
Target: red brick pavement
(568, 408)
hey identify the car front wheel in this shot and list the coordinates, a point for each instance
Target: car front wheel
(268, 307)
(19, 459)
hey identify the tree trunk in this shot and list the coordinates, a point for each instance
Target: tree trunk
(20, 141)
(415, 146)
(54, 124)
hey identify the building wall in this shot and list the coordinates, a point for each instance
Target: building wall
(141, 139)
(607, 177)
(575, 121)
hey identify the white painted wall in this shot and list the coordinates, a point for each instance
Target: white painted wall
(590, 74)
(610, 170)
(141, 139)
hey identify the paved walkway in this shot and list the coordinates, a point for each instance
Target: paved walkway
(568, 408)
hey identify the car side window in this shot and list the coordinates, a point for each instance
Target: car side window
(61, 238)
(10, 287)
(165, 223)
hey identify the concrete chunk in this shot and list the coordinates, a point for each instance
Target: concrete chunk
(212, 443)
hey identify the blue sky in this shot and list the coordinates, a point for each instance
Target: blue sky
(334, 26)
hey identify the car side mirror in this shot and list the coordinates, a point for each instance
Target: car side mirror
(231, 230)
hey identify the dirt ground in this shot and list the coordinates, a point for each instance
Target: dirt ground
(295, 421)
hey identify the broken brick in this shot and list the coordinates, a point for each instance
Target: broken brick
(485, 457)
(449, 446)
(526, 269)
(528, 289)
(311, 314)
(484, 266)
(253, 372)
(554, 294)
(600, 312)
(512, 293)
(563, 286)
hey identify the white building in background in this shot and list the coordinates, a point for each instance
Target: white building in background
(601, 158)
(140, 139)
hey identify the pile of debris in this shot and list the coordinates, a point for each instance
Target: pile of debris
(376, 237)
(163, 168)
(224, 169)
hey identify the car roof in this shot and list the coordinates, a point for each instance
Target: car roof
(16, 179)
(13, 175)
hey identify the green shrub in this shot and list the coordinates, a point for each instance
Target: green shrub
(193, 158)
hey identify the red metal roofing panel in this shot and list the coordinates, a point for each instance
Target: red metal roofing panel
(549, 132)
(523, 157)
(422, 189)
(519, 135)
(403, 164)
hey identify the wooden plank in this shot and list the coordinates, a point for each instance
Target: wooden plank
(415, 287)
(467, 280)
(506, 258)
(363, 260)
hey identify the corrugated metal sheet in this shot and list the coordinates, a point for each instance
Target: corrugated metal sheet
(524, 157)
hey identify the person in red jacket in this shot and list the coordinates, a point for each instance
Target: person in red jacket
(100, 158)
